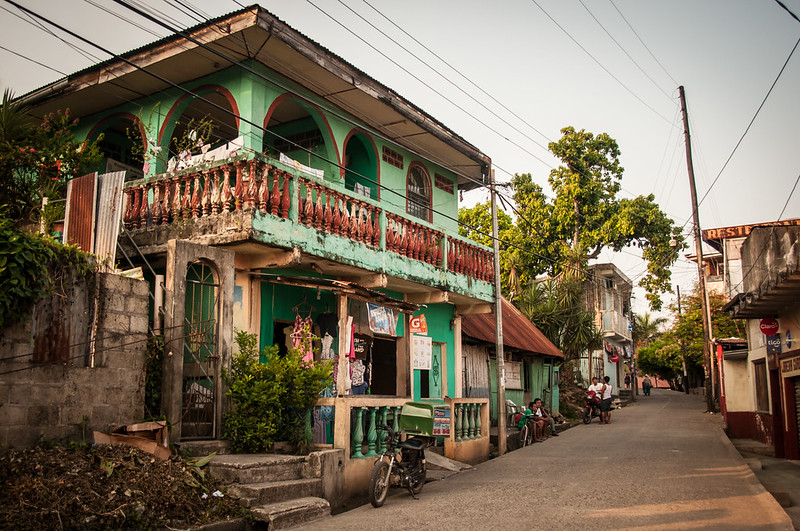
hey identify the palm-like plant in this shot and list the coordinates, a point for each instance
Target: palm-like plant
(646, 328)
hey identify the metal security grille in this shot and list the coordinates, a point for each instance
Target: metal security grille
(200, 359)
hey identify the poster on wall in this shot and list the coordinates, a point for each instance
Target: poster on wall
(421, 350)
(513, 375)
(382, 320)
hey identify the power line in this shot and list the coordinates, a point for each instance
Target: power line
(643, 44)
(430, 87)
(626, 52)
(606, 70)
(787, 10)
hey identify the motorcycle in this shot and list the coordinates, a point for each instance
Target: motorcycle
(592, 408)
(401, 464)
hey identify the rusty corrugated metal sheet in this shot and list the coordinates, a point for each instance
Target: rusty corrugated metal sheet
(518, 331)
(79, 217)
(109, 215)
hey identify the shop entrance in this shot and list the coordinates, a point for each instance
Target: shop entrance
(430, 381)
(384, 367)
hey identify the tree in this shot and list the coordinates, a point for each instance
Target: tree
(555, 306)
(585, 213)
(37, 160)
(664, 356)
(646, 328)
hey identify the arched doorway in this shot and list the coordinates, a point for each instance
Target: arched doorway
(200, 386)
(213, 114)
(361, 166)
(298, 131)
(122, 144)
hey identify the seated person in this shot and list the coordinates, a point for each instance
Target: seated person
(538, 421)
(597, 388)
(546, 416)
(524, 416)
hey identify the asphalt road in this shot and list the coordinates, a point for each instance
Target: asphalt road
(662, 463)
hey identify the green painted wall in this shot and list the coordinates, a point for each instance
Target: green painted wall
(254, 96)
(537, 371)
(438, 317)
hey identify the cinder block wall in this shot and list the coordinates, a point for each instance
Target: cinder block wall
(67, 402)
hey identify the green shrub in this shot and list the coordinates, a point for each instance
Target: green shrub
(270, 400)
(33, 266)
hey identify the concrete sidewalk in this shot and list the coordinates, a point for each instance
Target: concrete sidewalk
(662, 463)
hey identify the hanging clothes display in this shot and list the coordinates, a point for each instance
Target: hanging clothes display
(302, 329)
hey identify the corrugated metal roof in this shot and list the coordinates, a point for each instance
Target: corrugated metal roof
(518, 331)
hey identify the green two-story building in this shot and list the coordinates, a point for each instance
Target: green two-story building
(270, 186)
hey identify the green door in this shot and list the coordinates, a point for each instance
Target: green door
(428, 383)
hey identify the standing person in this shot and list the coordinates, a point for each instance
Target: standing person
(627, 381)
(646, 385)
(605, 402)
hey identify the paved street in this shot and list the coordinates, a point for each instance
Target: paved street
(662, 463)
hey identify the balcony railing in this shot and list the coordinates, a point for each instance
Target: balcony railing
(262, 186)
(616, 323)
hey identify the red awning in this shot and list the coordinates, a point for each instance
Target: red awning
(518, 331)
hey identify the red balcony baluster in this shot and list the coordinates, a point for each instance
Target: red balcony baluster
(376, 228)
(318, 209)
(251, 188)
(285, 196)
(216, 193)
(155, 208)
(166, 205)
(126, 216)
(328, 217)
(337, 214)
(353, 220)
(196, 196)
(177, 198)
(263, 189)
(238, 191)
(344, 229)
(205, 198)
(389, 232)
(308, 206)
(369, 213)
(226, 189)
(275, 196)
(187, 197)
(145, 209)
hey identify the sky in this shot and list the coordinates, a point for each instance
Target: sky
(509, 75)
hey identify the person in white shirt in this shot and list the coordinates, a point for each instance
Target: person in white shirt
(597, 387)
(605, 402)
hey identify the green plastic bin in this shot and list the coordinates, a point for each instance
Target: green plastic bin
(426, 418)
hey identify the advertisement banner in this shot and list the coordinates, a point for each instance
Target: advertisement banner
(421, 352)
(382, 320)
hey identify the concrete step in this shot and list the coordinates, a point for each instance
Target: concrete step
(286, 514)
(203, 448)
(256, 468)
(253, 494)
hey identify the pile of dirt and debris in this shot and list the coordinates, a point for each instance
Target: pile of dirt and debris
(107, 487)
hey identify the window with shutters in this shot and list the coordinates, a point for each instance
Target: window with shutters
(418, 193)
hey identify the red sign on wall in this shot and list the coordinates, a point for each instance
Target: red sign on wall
(769, 326)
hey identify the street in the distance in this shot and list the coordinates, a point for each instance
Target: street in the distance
(662, 463)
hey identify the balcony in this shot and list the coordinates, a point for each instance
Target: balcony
(252, 198)
(615, 325)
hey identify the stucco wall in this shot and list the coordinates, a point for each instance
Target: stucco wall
(45, 402)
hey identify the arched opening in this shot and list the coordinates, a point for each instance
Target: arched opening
(418, 192)
(122, 144)
(300, 133)
(361, 166)
(203, 122)
(200, 357)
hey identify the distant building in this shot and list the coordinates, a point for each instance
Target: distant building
(751, 266)
(607, 294)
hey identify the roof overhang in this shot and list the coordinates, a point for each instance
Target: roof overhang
(769, 301)
(254, 34)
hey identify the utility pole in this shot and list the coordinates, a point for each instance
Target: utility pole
(498, 326)
(701, 281)
(683, 349)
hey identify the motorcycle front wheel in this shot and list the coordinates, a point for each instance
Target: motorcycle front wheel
(416, 487)
(587, 415)
(379, 483)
